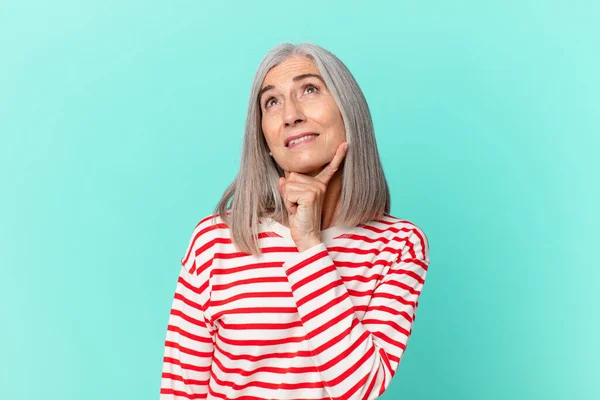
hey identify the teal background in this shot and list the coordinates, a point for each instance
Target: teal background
(121, 126)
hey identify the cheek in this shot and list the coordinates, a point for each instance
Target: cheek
(267, 132)
(328, 114)
(335, 122)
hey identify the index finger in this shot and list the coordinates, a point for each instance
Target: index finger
(325, 175)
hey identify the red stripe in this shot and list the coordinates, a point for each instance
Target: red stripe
(195, 353)
(189, 286)
(345, 353)
(310, 260)
(188, 335)
(246, 267)
(408, 272)
(370, 240)
(363, 264)
(250, 281)
(185, 300)
(330, 323)
(358, 293)
(266, 385)
(198, 270)
(420, 263)
(402, 286)
(269, 369)
(188, 367)
(354, 388)
(250, 295)
(393, 297)
(361, 361)
(197, 235)
(262, 326)
(179, 393)
(222, 396)
(389, 229)
(392, 324)
(361, 278)
(394, 358)
(255, 310)
(175, 377)
(263, 356)
(312, 277)
(355, 250)
(317, 293)
(387, 310)
(182, 315)
(391, 341)
(367, 392)
(323, 308)
(422, 239)
(384, 357)
(279, 249)
(261, 342)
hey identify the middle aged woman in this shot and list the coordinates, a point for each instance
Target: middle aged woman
(304, 287)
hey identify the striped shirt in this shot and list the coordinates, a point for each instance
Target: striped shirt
(331, 322)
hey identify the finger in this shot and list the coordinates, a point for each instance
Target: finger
(296, 191)
(301, 195)
(325, 175)
(288, 202)
(306, 179)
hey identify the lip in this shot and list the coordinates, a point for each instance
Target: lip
(298, 136)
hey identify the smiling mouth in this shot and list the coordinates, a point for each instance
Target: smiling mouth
(307, 138)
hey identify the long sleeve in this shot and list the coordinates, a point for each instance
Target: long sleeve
(357, 359)
(189, 341)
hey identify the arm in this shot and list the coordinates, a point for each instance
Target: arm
(189, 340)
(357, 359)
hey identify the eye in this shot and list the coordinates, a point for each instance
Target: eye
(307, 86)
(310, 85)
(268, 100)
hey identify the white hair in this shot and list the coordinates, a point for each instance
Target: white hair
(254, 192)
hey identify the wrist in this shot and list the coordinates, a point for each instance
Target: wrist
(307, 243)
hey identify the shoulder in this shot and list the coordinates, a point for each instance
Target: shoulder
(208, 232)
(416, 243)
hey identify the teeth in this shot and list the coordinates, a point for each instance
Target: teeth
(303, 138)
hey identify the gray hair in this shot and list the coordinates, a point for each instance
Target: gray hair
(254, 193)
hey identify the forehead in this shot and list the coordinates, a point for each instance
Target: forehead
(289, 68)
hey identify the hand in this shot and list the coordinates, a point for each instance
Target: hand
(303, 197)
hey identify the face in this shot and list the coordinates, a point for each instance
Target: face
(298, 104)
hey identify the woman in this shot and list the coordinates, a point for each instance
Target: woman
(305, 287)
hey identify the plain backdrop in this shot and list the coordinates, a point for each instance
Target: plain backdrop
(121, 126)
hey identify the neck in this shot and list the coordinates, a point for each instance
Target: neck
(332, 199)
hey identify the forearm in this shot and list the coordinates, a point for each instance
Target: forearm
(351, 364)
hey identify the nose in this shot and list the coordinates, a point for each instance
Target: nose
(292, 113)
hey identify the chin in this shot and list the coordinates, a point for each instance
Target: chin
(308, 162)
(306, 168)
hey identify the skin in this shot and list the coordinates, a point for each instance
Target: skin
(311, 186)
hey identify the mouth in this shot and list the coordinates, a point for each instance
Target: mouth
(296, 140)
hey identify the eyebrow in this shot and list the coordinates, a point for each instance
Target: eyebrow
(295, 79)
